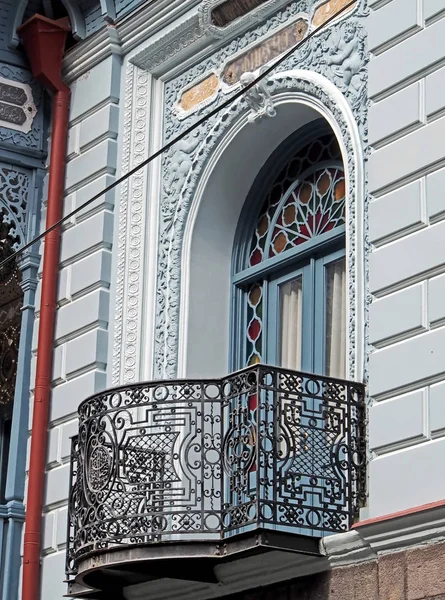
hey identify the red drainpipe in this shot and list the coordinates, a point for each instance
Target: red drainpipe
(44, 42)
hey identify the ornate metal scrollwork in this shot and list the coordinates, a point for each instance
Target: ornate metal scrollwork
(161, 461)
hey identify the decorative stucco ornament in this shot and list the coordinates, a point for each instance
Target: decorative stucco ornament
(182, 161)
(346, 55)
(330, 53)
(258, 98)
(21, 120)
(14, 190)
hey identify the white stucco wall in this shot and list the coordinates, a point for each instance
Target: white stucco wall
(407, 229)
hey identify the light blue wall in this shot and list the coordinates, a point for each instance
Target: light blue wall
(407, 228)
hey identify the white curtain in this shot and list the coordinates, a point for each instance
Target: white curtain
(336, 319)
(291, 301)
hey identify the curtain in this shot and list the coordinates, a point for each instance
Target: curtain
(291, 306)
(335, 282)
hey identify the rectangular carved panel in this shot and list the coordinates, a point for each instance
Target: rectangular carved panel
(17, 108)
(199, 92)
(328, 9)
(231, 10)
(267, 50)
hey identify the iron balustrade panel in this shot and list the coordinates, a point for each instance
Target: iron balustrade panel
(311, 452)
(74, 503)
(204, 460)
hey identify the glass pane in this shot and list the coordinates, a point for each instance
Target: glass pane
(335, 294)
(254, 333)
(291, 312)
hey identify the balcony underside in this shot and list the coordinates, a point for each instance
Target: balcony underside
(206, 569)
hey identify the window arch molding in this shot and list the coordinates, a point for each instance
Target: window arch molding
(173, 338)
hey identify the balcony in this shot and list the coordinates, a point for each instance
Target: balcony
(198, 481)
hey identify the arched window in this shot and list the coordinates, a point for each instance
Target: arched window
(289, 264)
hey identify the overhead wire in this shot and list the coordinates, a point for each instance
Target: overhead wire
(182, 135)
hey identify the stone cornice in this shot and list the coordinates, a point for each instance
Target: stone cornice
(189, 36)
(172, 31)
(123, 36)
(391, 533)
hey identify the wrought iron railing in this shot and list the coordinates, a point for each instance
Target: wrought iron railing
(179, 460)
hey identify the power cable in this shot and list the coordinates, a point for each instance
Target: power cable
(182, 135)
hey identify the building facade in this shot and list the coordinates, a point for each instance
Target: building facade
(254, 318)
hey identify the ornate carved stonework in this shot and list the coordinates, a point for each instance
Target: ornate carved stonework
(258, 98)
(131, 216)
(198, 31)
(345, 56)
(330, 54)
(328, 9)
(265, 51)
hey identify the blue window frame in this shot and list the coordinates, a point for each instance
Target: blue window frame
(289, 275)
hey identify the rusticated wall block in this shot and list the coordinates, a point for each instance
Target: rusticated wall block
(416, 574)
(392, 577)
(366, 582)
(341, 584)
(425, 568)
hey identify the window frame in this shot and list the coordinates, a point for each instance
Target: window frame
(321, 247)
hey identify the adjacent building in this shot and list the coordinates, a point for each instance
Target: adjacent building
(248, 381)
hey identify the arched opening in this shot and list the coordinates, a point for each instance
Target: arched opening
(289, 268)
(211, 329)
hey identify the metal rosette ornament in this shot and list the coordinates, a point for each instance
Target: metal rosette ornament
(99, 473)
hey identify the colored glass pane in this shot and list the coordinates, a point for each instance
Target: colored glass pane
(254, 324)
(312, 205)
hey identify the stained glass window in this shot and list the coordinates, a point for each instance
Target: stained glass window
(307, 199)
(254, 324)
